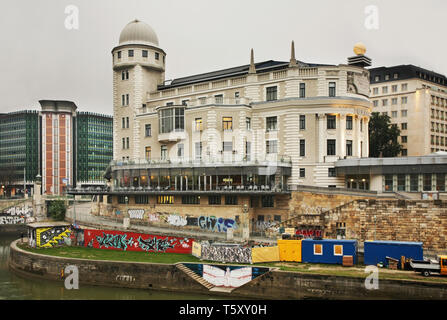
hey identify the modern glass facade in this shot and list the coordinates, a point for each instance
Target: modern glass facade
(19, 147)
(94, 145)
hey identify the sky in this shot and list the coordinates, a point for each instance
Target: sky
(42, 59)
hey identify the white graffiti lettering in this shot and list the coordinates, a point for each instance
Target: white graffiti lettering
(176, 220)
(125, 278)
(136, 213)
(11, 220)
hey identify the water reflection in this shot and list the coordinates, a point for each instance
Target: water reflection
(14, 287)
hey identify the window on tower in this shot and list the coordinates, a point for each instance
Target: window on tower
(157, 56)
(130, 53)
(144, 53)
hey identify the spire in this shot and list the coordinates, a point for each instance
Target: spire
(252, 68)
(293, 62)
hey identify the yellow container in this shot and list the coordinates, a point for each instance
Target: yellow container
(289, 250)
(265, 254)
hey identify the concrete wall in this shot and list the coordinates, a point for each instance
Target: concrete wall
(272, 285)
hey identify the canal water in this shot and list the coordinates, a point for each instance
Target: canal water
(14, 287)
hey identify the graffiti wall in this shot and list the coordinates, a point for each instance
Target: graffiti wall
(226, 253)
(136, 213)
(130, 241)
(225, 277)
(53, 236)
(309, 232)
(208, 223)
(17, 215)
(215, 224)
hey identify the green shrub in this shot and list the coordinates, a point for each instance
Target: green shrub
(57, 209)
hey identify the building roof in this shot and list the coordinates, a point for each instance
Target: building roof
(138, 32)
(264, 66)
(431, 163)
(404, 72)
(48, 224)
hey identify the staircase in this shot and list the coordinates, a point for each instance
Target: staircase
(195, 276)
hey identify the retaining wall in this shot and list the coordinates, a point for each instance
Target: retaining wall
(271, 285)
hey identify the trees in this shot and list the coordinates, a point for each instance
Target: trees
(383, 137)
(57, 209)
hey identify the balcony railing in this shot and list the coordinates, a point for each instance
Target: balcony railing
(224, 158)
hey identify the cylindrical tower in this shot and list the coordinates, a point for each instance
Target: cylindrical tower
(138, 68)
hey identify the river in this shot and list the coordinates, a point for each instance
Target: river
(14, 287)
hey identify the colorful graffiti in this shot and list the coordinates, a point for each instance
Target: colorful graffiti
(129, 241)
(309, 233)
(49, 237)
(226, 253)
(216, 224)
(17, 215)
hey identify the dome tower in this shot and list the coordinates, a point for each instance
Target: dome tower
(138, 68)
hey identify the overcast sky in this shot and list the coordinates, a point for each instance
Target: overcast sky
(41, 59)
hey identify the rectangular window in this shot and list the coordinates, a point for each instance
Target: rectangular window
(331, 172)
(302, 122)
(375, 90)
(403, 113)
(185, 102)
(165, 199)
(349, 147)
(302, 172)
(393, 114)
(404, 86)
(394, 88)
(130, 53)
(318, 249)
(198, 124)
(198, 150)
(180, 150)
(147, 153)
(227, 123)
(331, 122)
(331, 147)
(267, 201)
(141, 199)
(384, 102)
(349, 122)
(119, 54)
(231, 200)
(338, 250)
(302, 90)
(376, 103)
(414, 182)
(404, 100)
(403, 139)
(164, 152)
(148, 130)
(331, 89)
(271, 146)
(179, 119)
(157, 56)
(127, 122)
(144, 53)
(214, 200)
(271, 93)
(124, 143)
(127, 142)
(190, 199)
(227, 146)
(394, 101)
(122, 199)
(401, 182)
(247, 150)
(427, 182)
(271, 123)
(123, 123)
(248, 123)
(218, 99)
(404, 126)
(384, 90)
(302, 147)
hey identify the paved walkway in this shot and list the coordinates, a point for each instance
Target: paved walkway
(84, 218)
